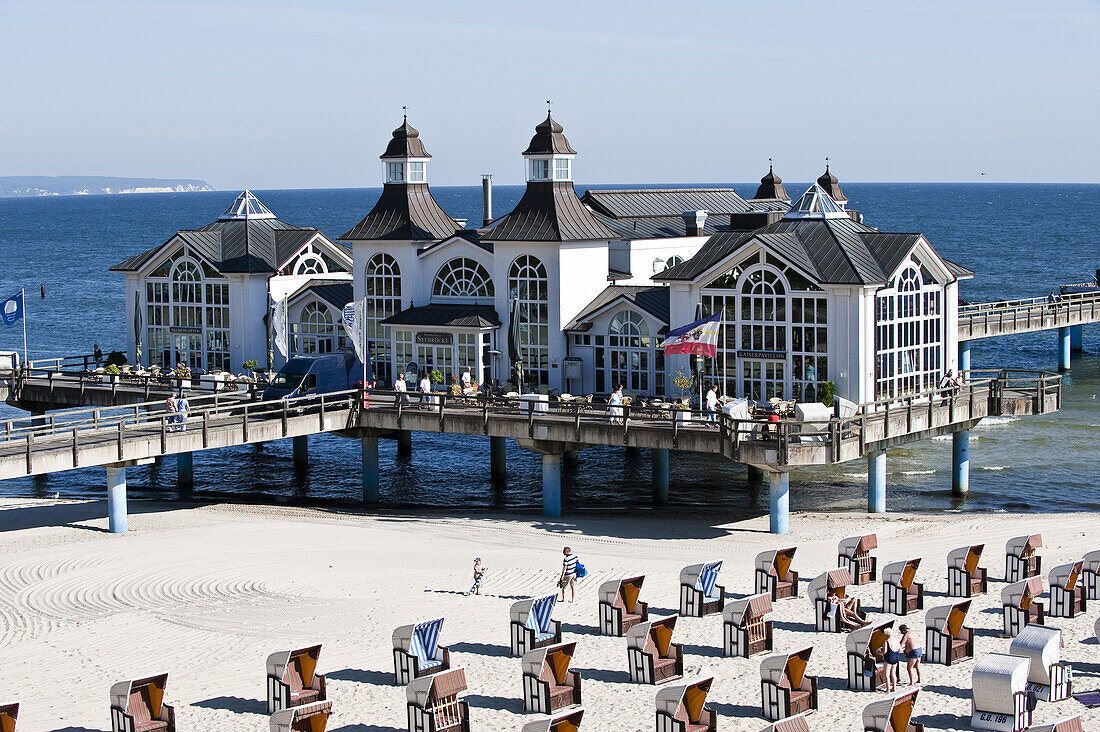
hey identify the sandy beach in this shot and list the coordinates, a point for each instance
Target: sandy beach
(206, 593)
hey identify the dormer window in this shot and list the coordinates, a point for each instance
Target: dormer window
(418, 172)
(540, 170)
(563, 169)
(407, 171)
(395, 172)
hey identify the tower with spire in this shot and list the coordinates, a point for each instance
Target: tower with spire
(831, 186)
(771, 187)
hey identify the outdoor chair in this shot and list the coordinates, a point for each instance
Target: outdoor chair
(9, 713)
(1090, 575)
(305, 718)
(1022, 559)
(826, 613)
(1049, 678)
(785, 688)
(866, 670)
(138, 706)
(682, 707)
(901, 593)
(433, 704)
(700, 593)
(1065, 724)
(620, 608)
(946, 639)
(548, 684)
(999, 698)
(564, 722)
(745, 632)
(1021, 605)
(964, 577)
(1067, 592)
(652, 657)
(292, 679)
(532, 625)
(892, 714)
(774, 574)
(855, 554)
(416, 651)
(794, 723)
(1096, 630)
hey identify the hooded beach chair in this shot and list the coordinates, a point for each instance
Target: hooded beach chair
(785, 688)
(700, 593)
(548, 684)
(946, 639)
(652, 657)
(532, 625)
(9, 713)
(1067, 592)
(745, 632)
(1021, 604)
(794, 723)
(433, 704)
(416, 651)
(1065, 724)
(682, 707)
(866, 671)
(1049, 679)
(774, 574)
(305, 718)
(855, 554)
(964, 577)
(999, 698)
(1022, 559)
(1096, 630)
(1090, 575)
(826, 613)
(901, 593)
(620, 608)
(292, 679)
(564, 722)
(892, 714)
(138, 706)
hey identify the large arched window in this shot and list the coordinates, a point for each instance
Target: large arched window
(310, 263)
(628, 351)
(316, 331)
(763, 311)
(908, 334)
(527, 282)
(382, 280)
(187, 308)
(463, 277)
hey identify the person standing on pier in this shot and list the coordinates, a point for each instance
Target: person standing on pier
(467, 379)
(97, 355)
(712, 403)
(183, 408)
(425, 390)
(172, 407)
(401, 387)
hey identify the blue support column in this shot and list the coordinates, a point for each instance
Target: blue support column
(876, 481)
(551, 486)
(964, 355)
(960, 462)
(116, 500)
(498, 457)
(1076, 338)
(301, 450)
(660, 477)
(779, 514)
(1063, 348)
(185, 468)
(370, 469)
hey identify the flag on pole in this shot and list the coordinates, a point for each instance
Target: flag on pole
(699, 338)
(11, 310)
(280, 326)
(354, 320)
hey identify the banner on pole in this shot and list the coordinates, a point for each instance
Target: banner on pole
(280, 327)
(699, 338)
(11, 310)
(355, 321)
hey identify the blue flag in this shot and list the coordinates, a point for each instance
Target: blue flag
(11, 310)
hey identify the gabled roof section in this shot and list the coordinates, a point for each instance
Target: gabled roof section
(468, 236)
(815, 203)
(404, 211)
(659, 227)
(651, 299)
(335, 292)
(454, 315)
(664, 202)
(548, 211)
(247, 206)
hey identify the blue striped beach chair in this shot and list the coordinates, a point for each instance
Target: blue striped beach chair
(1021, 606)
(9, 713)
(1022, 558)
(548, 684)
(307, 717)
(138, 706)
(682, 707)
(964, 577)
(292, 679)
(433, 704)
(892, 714)
(794, 723)
(785, 687)
(417, 652)
(946, 639)
(564, 722)
(1067, 592)
(1049, 678)
(532, 625)
(700, 593)
(1065, 724)
(999, 698)
(745, 631)
(866, 671)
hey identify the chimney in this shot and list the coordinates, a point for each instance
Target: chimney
(487, 198)
(694, 222)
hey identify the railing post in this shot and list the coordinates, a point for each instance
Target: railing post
(206, 428)
(531, 418)
(321, 414)
(244, 425)
(442, 409)
(30, 452)
(577, 420)
(284, 417)
(163, 434)
(76, 447)
(121, 432)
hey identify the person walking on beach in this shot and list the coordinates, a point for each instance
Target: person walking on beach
(479, 572)
(910, 646)
(425, 390)
(401, 387)
(891, 656)
(568, 575)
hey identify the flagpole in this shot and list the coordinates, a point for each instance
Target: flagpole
(23, 305)
(725, 349)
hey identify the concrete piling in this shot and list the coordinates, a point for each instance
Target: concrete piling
(660, 476)
(551, 485)
(116, 499)
(301, 450)
(960, 462)
(498, 457)
(1064, 348)
(404, 443)
(876, 482)
(185, 468)
(779, 499)
(370, 469)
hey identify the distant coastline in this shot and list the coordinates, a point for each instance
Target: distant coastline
(25, 186)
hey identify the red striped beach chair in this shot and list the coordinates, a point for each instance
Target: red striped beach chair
(855, 554)
(745, 631)
(292, 679)
(1090, 575)
(682, 707)
(1049, 678)
(433, 703)
(564, 722)
(794, 723)
(866, 671)
(417, 652)
(138, 706)
(901, 593)
(652, 657)
(964, 577)
(700, 593)
(532, 625)
(999, 698)
(892, 714)
(1021, 605)
(305, 718)
(946, 639)
(826, 613)
(620, 608)
(785, 687)
(548, 684)
(774, 574)
(1065, 724)
(1022, 559)
(1067, 592)
(9, 713)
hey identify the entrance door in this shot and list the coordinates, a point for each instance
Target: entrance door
(188, 350)
(437, 357)
(762, 380)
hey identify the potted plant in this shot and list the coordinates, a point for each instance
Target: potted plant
(435, 376)
(455, 388)
(683, 407)
(182, 372)
(111, 371)
(827, 391)
(251, 366)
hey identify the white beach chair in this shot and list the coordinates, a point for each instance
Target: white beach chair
(1049, 679)
(964, 577)
(1021, 557)
(563, 722)
(774, 574)
(866, 671)
(700, 593)
(312, 717)
(1021, 604)
(745, 632)
(892, 714)
(139, 705)
(947, 640)
(532, 625)
(1065, 724)
(855, 554)
(827, 614)
(548, 684)
(1067, 592)
(652, 657)
(682, 707)
(901, 593)
(417, 652)
(999, 698)
(1090, 574)
(785, 687)
(292, 679)
(794, 723)
(620, 608)
(433, 705)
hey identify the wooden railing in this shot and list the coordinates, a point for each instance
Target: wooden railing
(1027, 314)
(147, 384)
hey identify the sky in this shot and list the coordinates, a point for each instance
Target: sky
(278, 94)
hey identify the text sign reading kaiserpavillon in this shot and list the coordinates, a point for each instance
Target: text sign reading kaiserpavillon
(434, 339)
(768, 355)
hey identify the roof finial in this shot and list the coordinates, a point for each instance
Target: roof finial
(826, 163)
(405, 112)
(548, 107)
(769, 165)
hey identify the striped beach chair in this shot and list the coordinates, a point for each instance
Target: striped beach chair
(794, 723)
(826, 613)
(548, 684)
(683, 707)
(305, 718)
(563, 722)
(855, 554)
(417, 652)
(745, 631)
(785, 687)
(1067, 592)
(1090, 575)
(652, 657)
(946, 639)
(620, 608)
(433, 704)
(892, 714)
(1021, 604)
(866, 671)
(138, 706)
(901, 593)
(532, 625)
(9, 714)
(774, 574)
(700, 593)
(1022, 559)
(964, 577)
(1049, 679)
(1065, 724)
(999, 698)
(292, 679)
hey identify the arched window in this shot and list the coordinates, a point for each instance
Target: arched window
(187, 309)
(527, 282)
(310, 263)
(908, 335)
(763, 311)
(463, 277)
(316, 331)
(674, 260)
(382, 285)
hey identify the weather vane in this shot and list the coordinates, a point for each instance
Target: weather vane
(405, 111)
(548, 106)
(826, 163)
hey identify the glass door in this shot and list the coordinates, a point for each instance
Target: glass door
(188, 350)
(763, 380)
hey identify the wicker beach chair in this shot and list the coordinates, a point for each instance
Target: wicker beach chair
(785, 688)
(1049, 679)
(866, 671)
(855, 554)
(9, 714)
(700, 593)
(292, 679)
(138, 706)
(305, 718)
(1067, 591)
(682, 707)
(417, 652)
(564, 722)
(1022, 559)
(620, 608)
(964, 577)
(548, 684)
(1065, 724)
(1021, 605)
(946, 639)
(774, 574)
(532, 625)
(433, 704)
(652, 657)
(999, 700)
(1090, 575)
(892, 714)
(794, 723)
(901, 593)
(745, 632)
(827, 614)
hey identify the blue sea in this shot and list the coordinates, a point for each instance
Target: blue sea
(1021, 240)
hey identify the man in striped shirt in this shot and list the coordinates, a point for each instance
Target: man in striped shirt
(569, 575)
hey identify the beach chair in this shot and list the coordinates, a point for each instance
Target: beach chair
(854, 553)
(652, 657)
(682, 707)
(866, 671)
(785, 688)
(620, 608)
(9, 713)
(548, 684)
(1090, 575)
(901, 593)
(1067, 592)
(433, 703)
(565, 722)
(774, 574)
(305, 718)
(794, 723)
(745, 632)
(946, 639)
(292, 679)
(1096, 630)
(531, 624)
(416, 651)
(1021, 605)
(138, 706)
(1021, 557)
(700, 593)
(999, 698)
(1049, 678)
(827, 614)
(892, 714)
(1065, 724)
(964, 577)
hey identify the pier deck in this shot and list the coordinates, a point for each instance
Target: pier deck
(1007, 317)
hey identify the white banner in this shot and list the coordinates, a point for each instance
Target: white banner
(355, 323)
(279, 315)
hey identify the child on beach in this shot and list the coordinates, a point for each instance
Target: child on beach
(479, 572)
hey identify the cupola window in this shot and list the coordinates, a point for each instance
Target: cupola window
(417, 171)
(395, 172)
(540, 170)
(563, 169)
